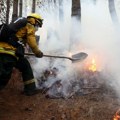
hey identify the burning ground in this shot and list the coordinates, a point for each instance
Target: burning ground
(82, 95)
(95, 101)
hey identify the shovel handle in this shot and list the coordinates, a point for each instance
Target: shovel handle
(56, 56)
(32, 54)
(75, 58)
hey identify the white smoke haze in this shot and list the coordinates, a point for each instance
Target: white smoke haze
(101, 37)
(96, 35)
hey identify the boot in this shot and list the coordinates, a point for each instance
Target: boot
(33, 92)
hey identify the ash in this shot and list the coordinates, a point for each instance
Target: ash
(84, 82)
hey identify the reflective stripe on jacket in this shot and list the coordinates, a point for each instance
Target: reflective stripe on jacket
(7, 49)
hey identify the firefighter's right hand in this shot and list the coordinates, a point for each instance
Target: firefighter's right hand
(39, 54)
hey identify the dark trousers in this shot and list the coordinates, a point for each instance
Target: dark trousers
(27, 74)
(7, 62)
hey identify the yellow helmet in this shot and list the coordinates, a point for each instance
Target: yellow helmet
(37, 17)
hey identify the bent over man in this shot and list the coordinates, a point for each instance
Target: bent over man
(12, 53)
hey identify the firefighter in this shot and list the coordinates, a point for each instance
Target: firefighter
(11, 56)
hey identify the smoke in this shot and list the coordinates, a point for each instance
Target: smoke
(101, 37)
(96, 35)
(55, 33)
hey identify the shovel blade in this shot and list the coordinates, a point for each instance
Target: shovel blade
(79, 57)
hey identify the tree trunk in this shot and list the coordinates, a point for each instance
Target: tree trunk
(2, 11)
(55, 1)
(113, 11)
(20, 8)
(76, 9)
(15, 10)
(7, 12)
(61, 13)
(94, 1)
(33, 6)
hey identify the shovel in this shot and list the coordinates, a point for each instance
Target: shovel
(75, 58)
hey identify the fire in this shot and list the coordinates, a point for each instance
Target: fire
(117, 115)
(93, 66)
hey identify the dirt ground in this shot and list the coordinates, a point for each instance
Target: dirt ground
(101, 104)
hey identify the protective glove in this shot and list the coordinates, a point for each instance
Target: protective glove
(39, 54)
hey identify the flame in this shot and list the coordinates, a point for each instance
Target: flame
(117, 115)
(93, 66)
(115, 119)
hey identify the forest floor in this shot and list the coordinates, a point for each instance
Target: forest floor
(99, 105)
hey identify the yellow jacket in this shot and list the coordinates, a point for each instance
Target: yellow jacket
(29, 33)
(25, 35)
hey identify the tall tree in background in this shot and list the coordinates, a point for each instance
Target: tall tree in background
(7, 11)
(76, 9)
(61, 13)
(20, 8)
(94, 1)
(15, 10)
(75, 12)
(2, 11)
(55, 1)
(33, 6)
(113, 11)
